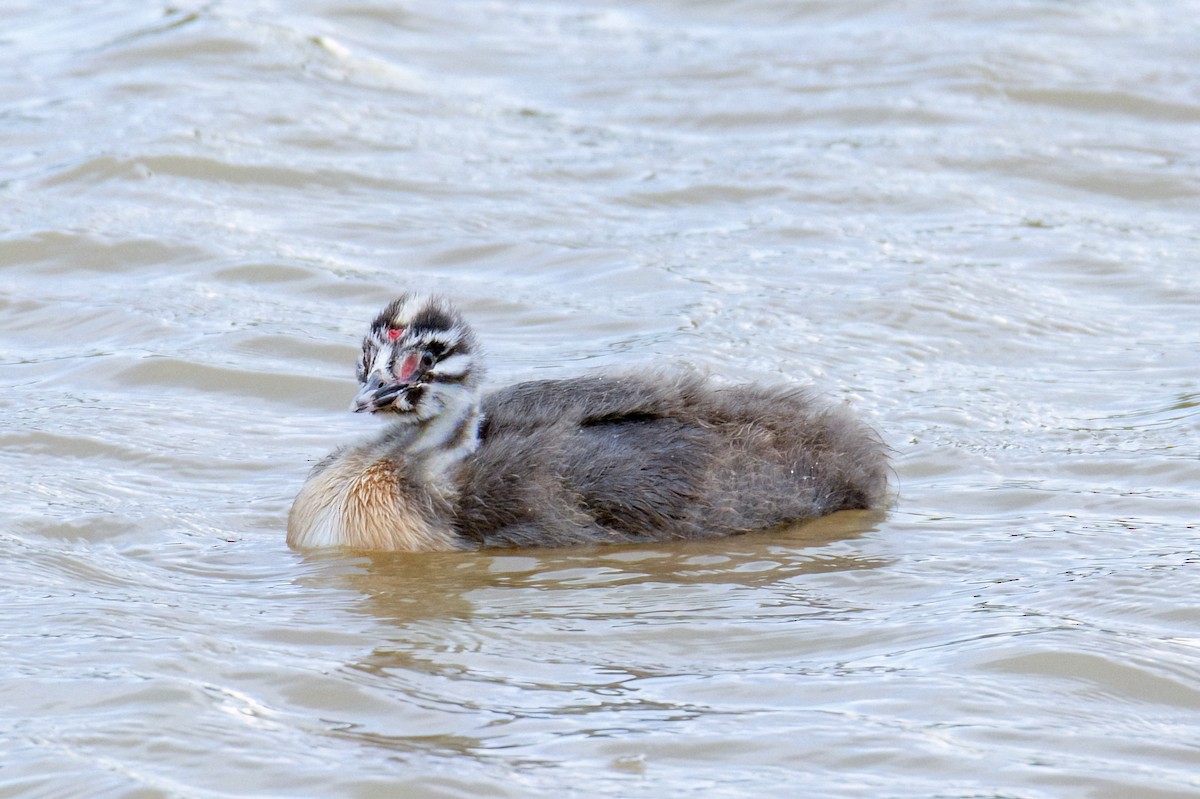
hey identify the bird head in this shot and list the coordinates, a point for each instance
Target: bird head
(418, 359)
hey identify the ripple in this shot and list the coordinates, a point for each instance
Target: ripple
(974, 223)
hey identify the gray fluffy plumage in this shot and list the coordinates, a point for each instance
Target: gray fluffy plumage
(650, 458)
(603, 458)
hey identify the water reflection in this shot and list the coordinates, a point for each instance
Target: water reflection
(488, 651)
(402, 588)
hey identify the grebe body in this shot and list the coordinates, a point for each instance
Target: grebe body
(601, 458)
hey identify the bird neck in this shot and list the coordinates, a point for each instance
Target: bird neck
(444, 439)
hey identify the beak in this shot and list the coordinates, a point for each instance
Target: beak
(376, 395)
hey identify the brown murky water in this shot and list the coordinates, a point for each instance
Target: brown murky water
(976, 223)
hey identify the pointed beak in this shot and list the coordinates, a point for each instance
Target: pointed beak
(376, 395)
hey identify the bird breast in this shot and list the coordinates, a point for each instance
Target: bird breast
(356, 500)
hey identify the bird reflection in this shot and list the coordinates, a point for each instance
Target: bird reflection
(402, 588)
(486, 650)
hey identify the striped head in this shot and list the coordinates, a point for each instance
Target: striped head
(418, 361)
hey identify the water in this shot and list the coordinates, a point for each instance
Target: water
(975, 222)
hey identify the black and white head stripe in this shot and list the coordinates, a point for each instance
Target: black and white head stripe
(427, 324)
(415, 320)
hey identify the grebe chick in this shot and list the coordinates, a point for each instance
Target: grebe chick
(603, 458)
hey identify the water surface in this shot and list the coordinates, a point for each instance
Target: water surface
(977, 224)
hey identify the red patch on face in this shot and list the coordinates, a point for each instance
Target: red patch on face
(395, 333)
(408, 367)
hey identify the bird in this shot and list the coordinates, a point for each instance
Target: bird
(609, 457)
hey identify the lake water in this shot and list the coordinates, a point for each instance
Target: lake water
(977, 223)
